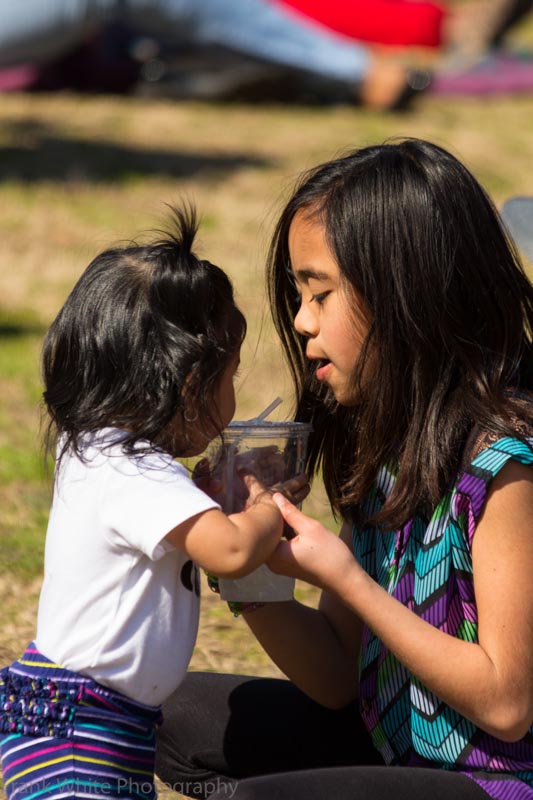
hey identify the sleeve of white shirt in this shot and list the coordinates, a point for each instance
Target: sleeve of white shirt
(144, 499)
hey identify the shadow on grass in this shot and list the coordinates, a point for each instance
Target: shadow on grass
(19, 323)
(42, 154)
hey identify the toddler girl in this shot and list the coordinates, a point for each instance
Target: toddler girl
(138, 370)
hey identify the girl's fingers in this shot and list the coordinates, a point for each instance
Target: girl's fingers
(251, 482)
(295, 489)
(255, 488)
(292, 515)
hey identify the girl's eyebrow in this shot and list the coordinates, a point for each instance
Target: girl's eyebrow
(304, 275)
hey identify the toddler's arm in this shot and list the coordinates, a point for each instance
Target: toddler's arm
(233, 546)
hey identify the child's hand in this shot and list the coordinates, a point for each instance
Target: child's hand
(295, 489)
(256, 492)
(266, 462)
(314, 554)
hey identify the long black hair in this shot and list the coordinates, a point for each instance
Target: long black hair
(450, 309)
(144, 336)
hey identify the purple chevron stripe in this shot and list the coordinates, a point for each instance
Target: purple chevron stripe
(510, 789)
(405, 589)
(470, 495)
(512, 756)
(474, 487)
(466, 588)
(438, 612)
(455, 616)
(470, 612)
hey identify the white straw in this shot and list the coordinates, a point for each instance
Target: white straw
(268, 410)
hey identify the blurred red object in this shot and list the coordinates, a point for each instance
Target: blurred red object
(390, 22)
(18, 78)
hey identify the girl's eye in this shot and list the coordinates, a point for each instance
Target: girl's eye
(319, 298)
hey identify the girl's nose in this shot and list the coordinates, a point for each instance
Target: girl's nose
(305, 321)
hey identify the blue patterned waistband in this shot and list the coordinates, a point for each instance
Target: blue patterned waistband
(40, 698)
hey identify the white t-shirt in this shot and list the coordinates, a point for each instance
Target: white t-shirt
(119, 603)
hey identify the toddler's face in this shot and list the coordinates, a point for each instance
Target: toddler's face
(198, 433)
(225, 392)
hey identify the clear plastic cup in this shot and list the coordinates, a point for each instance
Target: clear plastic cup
(273, 452)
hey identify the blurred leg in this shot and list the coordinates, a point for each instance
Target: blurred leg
(356, 783)
(266, 31)
(256, 28)
(480, 25)
(36, 31)
(221, 727)
(510, 12)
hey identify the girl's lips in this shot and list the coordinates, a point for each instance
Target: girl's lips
(323, 369)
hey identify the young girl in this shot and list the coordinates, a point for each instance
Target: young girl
(407, 320)
(138, 370)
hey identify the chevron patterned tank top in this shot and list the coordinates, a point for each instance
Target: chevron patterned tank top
(428, 568)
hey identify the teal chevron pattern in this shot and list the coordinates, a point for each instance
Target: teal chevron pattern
(427, 566)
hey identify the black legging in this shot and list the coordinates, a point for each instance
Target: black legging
(228, 736)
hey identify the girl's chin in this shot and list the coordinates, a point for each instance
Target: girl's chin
(343, 396)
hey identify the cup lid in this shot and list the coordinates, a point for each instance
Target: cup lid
(267, 429)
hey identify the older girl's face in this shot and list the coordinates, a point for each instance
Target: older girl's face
(332, 322)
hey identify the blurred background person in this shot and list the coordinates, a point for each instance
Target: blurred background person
(389, 22)
(38, 40)
(365, 51)
(474, 27)
(464, 42)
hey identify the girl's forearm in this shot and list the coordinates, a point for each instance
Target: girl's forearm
(460, 673)
(303, 644)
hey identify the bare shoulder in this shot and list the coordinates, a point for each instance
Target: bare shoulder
(510, 495)
(503, 541)
(502, 560)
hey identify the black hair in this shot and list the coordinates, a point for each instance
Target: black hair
(142, 339)
(419, 243)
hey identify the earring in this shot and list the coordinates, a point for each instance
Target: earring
(190, 419)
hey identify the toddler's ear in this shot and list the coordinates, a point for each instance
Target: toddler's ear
(190, 412)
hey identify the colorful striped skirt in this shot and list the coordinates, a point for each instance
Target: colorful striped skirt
(65, 735)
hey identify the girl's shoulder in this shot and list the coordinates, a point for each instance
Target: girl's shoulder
(485, 455)
(519, 432)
